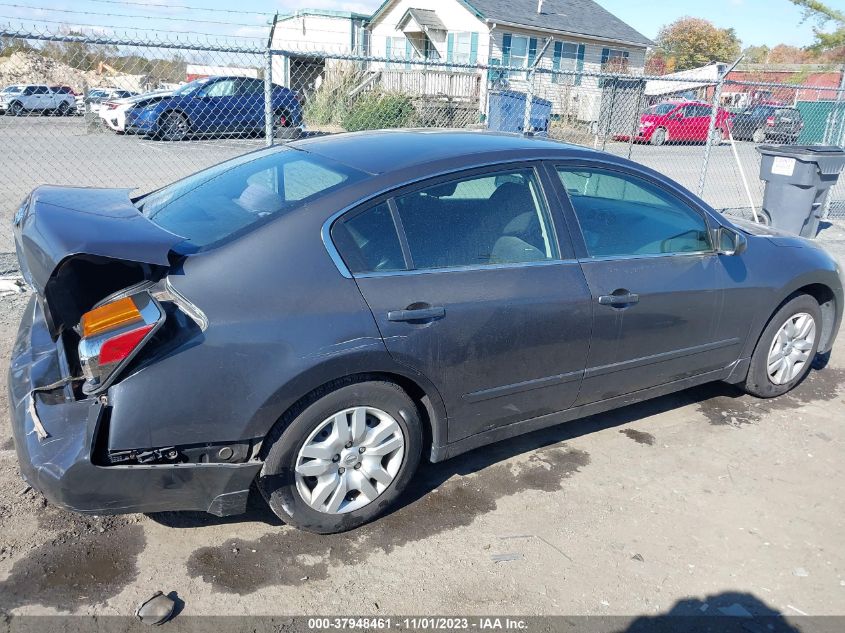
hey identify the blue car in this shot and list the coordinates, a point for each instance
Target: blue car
(216, 106)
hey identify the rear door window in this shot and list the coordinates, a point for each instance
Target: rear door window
(483, 220)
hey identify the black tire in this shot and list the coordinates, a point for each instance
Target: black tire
(758, 382)
(659, 137)
(173, 126)
(62, 109)
(283, 128)
(16, 109)
(277, 481)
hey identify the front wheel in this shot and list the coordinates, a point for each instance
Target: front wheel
(344, 458)
(16, 109)
(786, 349)
(659, 137)
(63, 109)
(174, 126)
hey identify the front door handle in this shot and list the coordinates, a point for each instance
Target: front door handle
(619, 298)
(417, 314)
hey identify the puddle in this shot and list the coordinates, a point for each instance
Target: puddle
(90, 560)
(640, 437)
(431, 507)
(727, 405)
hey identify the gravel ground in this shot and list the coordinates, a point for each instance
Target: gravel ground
(696, 502)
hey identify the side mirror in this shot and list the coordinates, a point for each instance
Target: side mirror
(731, 242)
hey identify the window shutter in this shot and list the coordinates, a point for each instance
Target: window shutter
(556, 61)
(579, 64)
(450, 47)
(407, 53)
(473, 48)
(506, 49)
(532, 51)
(388, 48)
(605, 55)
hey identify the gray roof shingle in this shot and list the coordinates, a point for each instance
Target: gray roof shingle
(583, 17)
(426, 17)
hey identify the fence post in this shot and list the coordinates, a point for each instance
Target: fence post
(711, 128)
(840, 136)
(268, 86)
(529, 100)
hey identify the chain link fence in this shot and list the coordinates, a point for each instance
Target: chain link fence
(115, 112)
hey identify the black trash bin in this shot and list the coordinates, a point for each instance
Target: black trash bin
(798, 180)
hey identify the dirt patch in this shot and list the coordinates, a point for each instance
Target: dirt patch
(292, 557)
(90, 560)
(727, 405)
(640, 437)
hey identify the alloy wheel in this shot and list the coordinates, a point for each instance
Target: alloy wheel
(791, 348)
(349, 460)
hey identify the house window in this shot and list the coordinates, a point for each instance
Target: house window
(397, 48)
(462, 48)
(567, 57)
(519, 55)
(614, 61)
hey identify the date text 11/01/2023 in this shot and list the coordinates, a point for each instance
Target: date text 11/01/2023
(419, 623)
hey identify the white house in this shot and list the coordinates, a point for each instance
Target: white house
(562, 35)
(311, 35)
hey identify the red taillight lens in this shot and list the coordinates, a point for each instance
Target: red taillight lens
(111, 335)
(120, 347)
(770, 121)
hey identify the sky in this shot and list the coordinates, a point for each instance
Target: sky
(756, 21)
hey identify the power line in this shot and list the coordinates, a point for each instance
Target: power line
(175, 6)
(20, 20)
(124, 15)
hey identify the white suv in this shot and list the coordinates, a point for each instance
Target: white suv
(21, 99)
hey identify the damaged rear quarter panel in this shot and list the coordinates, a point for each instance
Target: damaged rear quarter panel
(281, 322)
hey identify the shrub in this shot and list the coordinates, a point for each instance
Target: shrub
(376, 110)
(331, 102)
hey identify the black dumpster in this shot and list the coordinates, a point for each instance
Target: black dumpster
(798, 180)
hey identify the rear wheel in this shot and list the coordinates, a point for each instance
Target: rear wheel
(62, 109)
(283, 126)
(174, 126)
(659, 137)
(717, 137)
(786, 348)
(343, 459)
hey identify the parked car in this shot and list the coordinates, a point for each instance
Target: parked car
(681, 121)
(768, 121)
(97, 96)
(214, 106)
(35, 98)
(299, 317)
(65, 90)
(113, 111)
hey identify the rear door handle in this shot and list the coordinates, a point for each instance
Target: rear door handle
(618, 299)
(419, 314)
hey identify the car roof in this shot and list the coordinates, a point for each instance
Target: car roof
(377, 152)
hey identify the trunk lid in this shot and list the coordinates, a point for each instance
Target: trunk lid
(99, 230)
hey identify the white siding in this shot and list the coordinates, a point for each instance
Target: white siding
(454, 16)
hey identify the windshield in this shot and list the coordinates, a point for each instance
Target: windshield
(190, 87)
(661, 108)
(219, 203)
(12, 89)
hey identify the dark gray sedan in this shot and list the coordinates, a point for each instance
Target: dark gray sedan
(318, 317)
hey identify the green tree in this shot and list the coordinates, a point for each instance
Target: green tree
(756, 54)
(823, 15)
(693, 42)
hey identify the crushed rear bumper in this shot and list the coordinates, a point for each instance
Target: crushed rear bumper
(60, 465)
